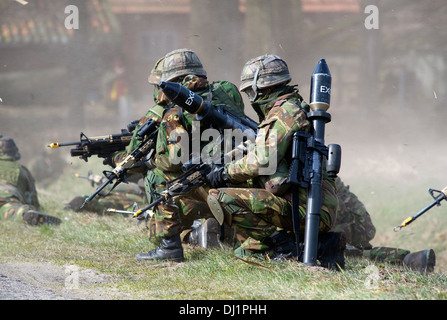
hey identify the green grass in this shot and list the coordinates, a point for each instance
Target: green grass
(108, 244)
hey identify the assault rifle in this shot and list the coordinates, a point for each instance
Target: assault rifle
(441, 195)
(147, 133)
(101, 146)
(193, 177)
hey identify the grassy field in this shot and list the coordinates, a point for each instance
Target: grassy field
(104, 247)
(108, 244)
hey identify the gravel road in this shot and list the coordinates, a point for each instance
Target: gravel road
(46, 281)
(14, 289)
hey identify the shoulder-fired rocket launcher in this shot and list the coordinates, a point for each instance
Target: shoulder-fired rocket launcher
(306, 170)
(218, 116)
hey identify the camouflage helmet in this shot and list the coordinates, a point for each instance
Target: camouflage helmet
(155, 75)
(181, 62)
(8, 148)
(263, 72)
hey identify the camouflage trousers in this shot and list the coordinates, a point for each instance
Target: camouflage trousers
(257, 213)
(13, 203)
(178, 214)
(13, 210)
(352, 218)
(383, 254)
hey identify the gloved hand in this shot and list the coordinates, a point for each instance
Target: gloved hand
(216, 177)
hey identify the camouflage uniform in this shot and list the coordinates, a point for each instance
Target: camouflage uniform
(352, 218)
(259, 212)
(173, 217)
(18, 194)
(155, 113)
(122, 197)
(192, 205)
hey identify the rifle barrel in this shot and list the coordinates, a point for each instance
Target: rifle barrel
(150, 205)
(54, 145)
(98, 190)
(112, 210)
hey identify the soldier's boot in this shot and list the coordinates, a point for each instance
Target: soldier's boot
(34, 218)
(331, 248)
(206, 234)
(282, 245)
(169, 249)
(422, 261)
(351, 251)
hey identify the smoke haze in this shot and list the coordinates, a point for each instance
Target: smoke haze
(388, 84)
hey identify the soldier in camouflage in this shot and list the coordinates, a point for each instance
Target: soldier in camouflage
(125, 195)
(355, 222)
(264, 213)
(144, 173)
(122, 197)
(184, 66)
(18, 195)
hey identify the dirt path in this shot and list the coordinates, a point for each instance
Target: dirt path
(46, 281)
(13, 289)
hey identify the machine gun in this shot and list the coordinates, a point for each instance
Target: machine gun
(101, 146)
(147, 133)
(441, 195)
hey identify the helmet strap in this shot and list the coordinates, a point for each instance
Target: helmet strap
(254, 86)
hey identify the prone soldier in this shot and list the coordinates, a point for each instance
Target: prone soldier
(18, 194)
(355, 222)
(122, 197)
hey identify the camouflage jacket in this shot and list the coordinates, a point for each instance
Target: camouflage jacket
(177, 122)
(155, 113)
(282, 117)
(16, 182)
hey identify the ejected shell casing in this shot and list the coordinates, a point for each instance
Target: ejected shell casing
(320, 87)
(178, 94)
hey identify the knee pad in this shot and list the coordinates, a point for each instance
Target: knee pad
(215, 208)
